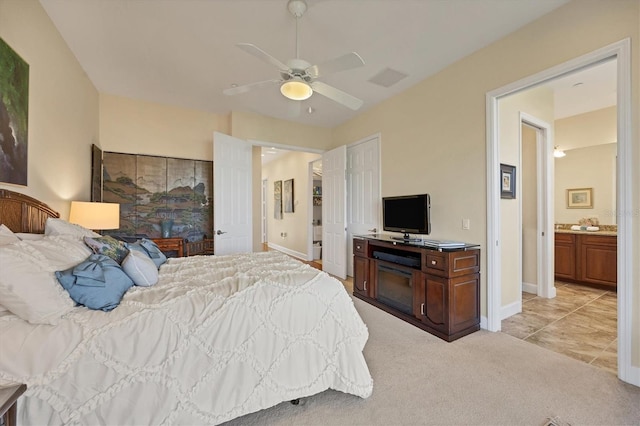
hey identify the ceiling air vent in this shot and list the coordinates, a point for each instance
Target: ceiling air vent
(387, 77)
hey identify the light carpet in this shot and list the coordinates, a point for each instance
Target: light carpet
(482, 379)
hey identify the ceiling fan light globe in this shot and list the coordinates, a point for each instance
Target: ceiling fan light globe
(296, 90)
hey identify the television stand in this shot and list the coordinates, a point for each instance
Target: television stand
(434, 288)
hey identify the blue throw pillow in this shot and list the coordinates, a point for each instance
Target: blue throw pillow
(149, 248)
(97, 282)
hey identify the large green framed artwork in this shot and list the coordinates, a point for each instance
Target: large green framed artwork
(14, 115)
(160, 196)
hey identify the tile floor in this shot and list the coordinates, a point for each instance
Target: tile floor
(580, 322)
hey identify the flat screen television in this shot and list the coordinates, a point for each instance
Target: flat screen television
(409, 214)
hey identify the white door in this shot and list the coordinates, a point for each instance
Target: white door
(334, 231)
(363, 189)
(232, 194)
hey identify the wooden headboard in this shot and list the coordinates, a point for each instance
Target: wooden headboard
(21, 213)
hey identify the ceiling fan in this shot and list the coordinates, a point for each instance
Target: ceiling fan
(298, 78)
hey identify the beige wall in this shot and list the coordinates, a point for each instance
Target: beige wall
(592, 167)
(137, 127)
(537, 102)
(592, 128)
(254, 127)
(294, 165)
(589, 140)
(63, 108)
(437, 127)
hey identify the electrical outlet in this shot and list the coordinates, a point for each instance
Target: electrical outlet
(466, 224)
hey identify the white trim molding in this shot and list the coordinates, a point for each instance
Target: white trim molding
(510, 309)
(530, 288)
(296, 254)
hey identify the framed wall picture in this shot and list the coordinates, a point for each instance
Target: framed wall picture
(14, 116)
(507, 181)
(287, 196)
(277, 199)
(580, 198)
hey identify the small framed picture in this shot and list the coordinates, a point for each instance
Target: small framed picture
(277, 199)
(507, 181)
(580, 198)
(287, 196)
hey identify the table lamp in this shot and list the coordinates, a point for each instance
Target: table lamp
(95, 216)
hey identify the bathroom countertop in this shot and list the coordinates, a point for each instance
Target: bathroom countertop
(569, 231)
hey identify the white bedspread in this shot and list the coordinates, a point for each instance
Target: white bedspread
(216, 338)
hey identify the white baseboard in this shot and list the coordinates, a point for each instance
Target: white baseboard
(633, 377)
(511, 309)
(483, 322)
(530, 288)
(296, 254)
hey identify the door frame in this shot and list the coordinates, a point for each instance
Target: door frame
(545, 203)
(263, 208)
(621, 51)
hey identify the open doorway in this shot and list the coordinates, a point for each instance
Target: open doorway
(315, 233)
(575, 314)
(499, 254)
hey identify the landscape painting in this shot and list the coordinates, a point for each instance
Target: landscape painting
(14, 115)
(159, 193)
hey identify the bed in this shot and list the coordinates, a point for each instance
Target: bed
(216, 338)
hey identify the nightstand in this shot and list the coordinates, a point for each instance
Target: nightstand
(199, 247)
(170, 245)
(8, 398)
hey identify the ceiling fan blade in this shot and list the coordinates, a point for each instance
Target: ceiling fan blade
(254, 50)
(245, 88)
(337, 95)
(341, 63)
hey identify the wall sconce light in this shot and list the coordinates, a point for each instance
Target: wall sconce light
(558, 153)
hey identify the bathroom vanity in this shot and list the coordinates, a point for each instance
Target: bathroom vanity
(588, 258)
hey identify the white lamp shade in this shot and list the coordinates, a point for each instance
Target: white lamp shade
(95, 216)
(296, 90)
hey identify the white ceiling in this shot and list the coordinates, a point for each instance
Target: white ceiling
(183, 53)
(586, 90)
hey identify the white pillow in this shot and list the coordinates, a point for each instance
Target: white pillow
(28, 286)
(25, 236)
(7, 236)
(62, 227)
(57, 252)
(140, 268)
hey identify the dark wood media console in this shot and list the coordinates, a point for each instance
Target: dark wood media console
(436, 289)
